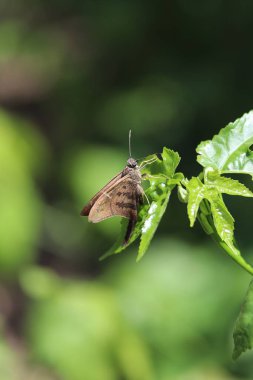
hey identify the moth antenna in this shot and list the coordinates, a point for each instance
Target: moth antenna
(155, 154)
(148, 162)
(129, 143)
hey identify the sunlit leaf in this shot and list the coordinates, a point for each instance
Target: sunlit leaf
(205, 203)
(228, 186)
(243, 332)
(223, 220)
(154, 215)
(159, 190)
(196, 192)
(229, 151)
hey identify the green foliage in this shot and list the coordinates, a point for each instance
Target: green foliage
(162, 179)
(243, 332)
(203, 194)
(229, 152)
(205, 202)
(196, 193)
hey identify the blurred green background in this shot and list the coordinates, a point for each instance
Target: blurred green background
(75, 76)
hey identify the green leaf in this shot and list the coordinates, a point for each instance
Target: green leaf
(196, 191)
(243, 331)
(159, 190)
(182, 194)
(230, 186)
(165, 166)
(227, 185)
(205, 202)
(154, 215)
(161, 179)
(223, 220)
(229, 151)
(206, 220)
(170, 161)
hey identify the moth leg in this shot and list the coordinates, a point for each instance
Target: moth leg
(162, 176)
(145, 195)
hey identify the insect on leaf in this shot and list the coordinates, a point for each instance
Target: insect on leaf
(161, 179)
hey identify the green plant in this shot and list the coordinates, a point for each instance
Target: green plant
(227, 153)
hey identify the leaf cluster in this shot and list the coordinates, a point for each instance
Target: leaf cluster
(226, 154)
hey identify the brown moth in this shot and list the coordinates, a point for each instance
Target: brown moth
(120, 197)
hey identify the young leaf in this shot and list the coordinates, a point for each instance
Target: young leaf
(162, 181)
(243, 331)
(229, 151)
(155, 213)
(170, 161)
(182, 194)
(223, 220)
(196, 192)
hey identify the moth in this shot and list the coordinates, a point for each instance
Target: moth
(120, 197)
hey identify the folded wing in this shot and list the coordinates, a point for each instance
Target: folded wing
(86, 209)
(120, 199)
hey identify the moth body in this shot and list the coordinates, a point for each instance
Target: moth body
(120, 197)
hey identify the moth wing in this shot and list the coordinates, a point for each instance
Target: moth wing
(120, 199)
(86, 209)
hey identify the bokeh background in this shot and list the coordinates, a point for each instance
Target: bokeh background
(75, 76)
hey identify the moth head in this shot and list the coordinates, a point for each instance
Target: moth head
(131, 163)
